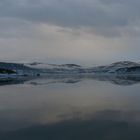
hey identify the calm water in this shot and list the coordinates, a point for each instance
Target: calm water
(70, 109)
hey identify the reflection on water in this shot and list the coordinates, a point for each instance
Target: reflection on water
(70, 108)
(51, 79)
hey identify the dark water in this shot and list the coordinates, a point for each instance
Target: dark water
(73, 108)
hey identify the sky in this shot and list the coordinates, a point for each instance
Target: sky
(86, 32)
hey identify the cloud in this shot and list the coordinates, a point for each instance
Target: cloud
(104, 17)
(91, 31)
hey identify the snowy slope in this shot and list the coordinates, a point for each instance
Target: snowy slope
(51, 66)
(34, 69)
(118, 67)
(114, 68)
(56, 69)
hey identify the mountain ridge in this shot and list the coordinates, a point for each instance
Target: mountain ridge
(37, 68)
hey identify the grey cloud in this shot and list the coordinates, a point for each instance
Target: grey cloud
(63, 13)
(70, 30)
(73, 13)
(104, 17)
(15, 28)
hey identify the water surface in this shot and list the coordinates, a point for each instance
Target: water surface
(70, 108)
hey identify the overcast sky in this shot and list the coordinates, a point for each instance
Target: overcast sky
(88, 32)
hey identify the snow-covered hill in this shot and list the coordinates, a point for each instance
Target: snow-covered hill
(36, 69)
(57, 69)
(51, 66)
(122, 67)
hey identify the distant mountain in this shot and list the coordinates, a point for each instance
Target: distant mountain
(44, 68)
(35, 68)
(122, 67)
(51, 66)
(15, 69)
